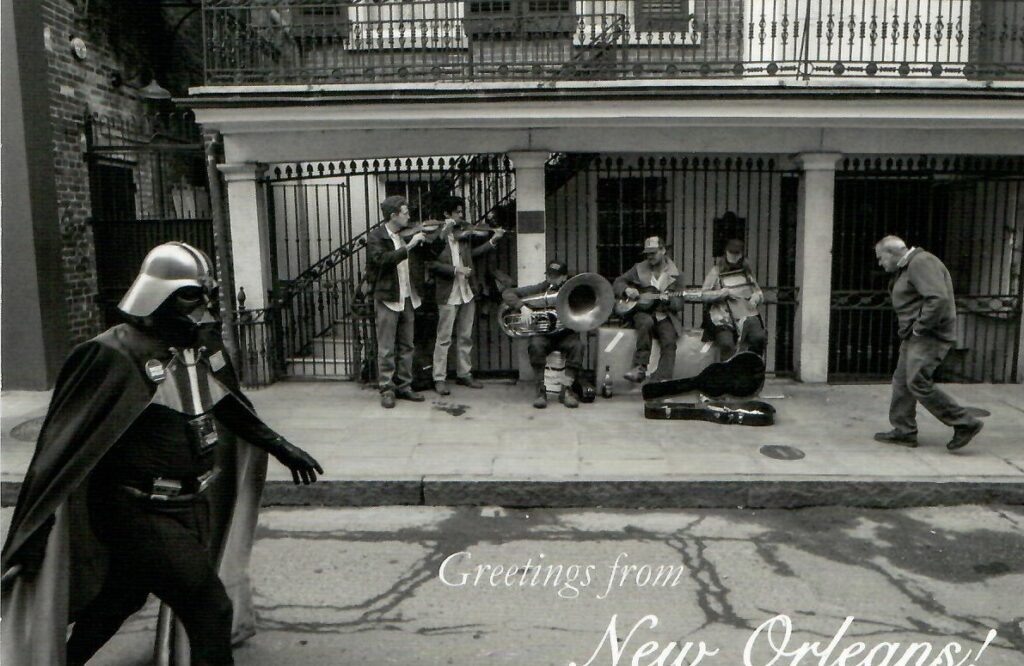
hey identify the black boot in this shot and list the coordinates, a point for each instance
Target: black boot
(541, 401)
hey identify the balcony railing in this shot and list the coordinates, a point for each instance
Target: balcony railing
(358, 41)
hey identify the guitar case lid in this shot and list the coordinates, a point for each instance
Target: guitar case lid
(740, 412)
(742, 376)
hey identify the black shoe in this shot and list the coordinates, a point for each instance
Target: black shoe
(408, 394)
(907, 439)
(541, 401)
(568, 398)
(442, 387)
(962, 435)
(636, 375)
(387, 399)
(468, 381)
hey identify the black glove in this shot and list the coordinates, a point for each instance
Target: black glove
(303, 466)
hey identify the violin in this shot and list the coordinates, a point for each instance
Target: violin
(433, 228)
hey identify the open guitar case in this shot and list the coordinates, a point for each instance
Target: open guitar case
(731, 386)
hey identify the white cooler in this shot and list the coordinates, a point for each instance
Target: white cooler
(615, 347)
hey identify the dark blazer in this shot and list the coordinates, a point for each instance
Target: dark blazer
(513, 296)
(443, 266)
(382, 261)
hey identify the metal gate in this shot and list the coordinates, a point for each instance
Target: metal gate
(147, 181)
(601, 207)
(968, 211)
(320, 214)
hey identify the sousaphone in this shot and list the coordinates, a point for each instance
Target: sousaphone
(583, 303)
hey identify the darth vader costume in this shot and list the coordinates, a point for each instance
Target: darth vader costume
(146, 479)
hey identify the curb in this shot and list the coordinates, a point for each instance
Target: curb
(681, 493)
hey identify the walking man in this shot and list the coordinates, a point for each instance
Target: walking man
(395, 301)
(922, 296)
(457, 284)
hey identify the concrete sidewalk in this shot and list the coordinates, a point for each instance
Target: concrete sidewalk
(491, 447)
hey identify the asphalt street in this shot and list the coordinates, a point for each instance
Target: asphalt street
(422, 585)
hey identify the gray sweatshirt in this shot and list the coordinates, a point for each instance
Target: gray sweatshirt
(922, 295)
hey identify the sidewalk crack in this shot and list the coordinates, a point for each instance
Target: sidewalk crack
(1013, 465)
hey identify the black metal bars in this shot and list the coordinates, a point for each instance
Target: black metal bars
(349, 41)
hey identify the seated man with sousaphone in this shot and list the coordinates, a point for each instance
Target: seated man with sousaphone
(651, 295)
(552, 313)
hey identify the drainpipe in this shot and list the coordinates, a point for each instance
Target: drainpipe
(222, 245)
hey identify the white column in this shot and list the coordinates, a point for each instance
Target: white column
(250, 235)
(1020, 348)
(814, 264)
(531, 248)
(531, 228)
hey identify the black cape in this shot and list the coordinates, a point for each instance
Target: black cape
(102, 388)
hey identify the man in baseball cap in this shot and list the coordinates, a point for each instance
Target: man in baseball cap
(657, 315)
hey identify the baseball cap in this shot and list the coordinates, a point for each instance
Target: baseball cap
(556, 268)
(653, 244)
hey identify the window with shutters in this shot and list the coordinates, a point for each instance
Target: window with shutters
(517, 18)
(662, 15)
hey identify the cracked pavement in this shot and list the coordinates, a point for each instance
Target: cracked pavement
(361, 586)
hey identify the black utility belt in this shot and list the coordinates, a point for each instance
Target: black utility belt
(164, 489)
(202, 433)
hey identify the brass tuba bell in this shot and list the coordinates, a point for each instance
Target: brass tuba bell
(583, 303)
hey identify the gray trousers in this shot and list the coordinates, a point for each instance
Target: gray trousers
(461, 319)
(394, 330)
(913, 383)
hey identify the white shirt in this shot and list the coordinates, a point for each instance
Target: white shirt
(404, 286)
(461, 291)
(905, 258)
(661, 283)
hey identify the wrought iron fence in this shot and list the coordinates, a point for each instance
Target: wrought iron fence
(353, 41)
(966, 211)
(320, 215)
(600, 209)
(259, 349)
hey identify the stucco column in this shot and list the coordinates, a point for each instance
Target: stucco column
(250, 235)
(531, 249)
(531, 227)
(814, 264)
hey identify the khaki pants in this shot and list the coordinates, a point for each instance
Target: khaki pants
(461, 319)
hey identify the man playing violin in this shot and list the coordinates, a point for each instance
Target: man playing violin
(658, 276)
(538, 347)
(457, 284)
(395, 300)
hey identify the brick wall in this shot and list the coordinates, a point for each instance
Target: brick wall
(79, 87)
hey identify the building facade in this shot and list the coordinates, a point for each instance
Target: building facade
(808, 127)
(109, 164)
(811, 128)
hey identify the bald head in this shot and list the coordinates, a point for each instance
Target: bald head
(889, 251)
